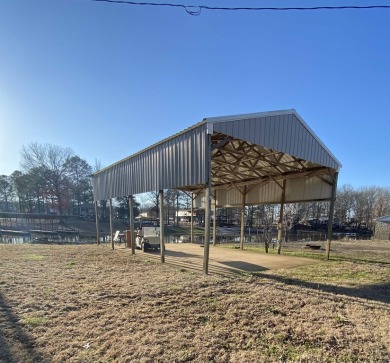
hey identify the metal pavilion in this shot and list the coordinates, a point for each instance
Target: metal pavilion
(250, 159)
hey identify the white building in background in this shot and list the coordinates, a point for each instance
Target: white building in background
(185, 215)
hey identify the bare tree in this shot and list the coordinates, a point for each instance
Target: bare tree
(344, 204)
(169, 203)
(153, 202)
(265, 216)
(102, 203)
(97, 165)
(51, 160)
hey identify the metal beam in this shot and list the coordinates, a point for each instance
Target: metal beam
(111, 226)
(215, 220)
(207, 207)
(242, 234)
(131, 219)
(162, 244)
(330, 218)
(206, 231)
(97, 223)
(192, 217)
(280, 221)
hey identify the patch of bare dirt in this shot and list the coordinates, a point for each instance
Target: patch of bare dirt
(91, 304)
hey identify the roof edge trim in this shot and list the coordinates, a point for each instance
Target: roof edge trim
(317, 138)
(249, 115)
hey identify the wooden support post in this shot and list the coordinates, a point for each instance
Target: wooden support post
(215, 220)
(280, 220)
(162, 244)
(192, 217)
(330, 217)
(242, 234)
(111, 226)
(97, 223)
(131, 220)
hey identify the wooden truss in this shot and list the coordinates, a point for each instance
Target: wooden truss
(237, 162)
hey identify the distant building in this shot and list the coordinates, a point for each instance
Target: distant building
(184, 215)
(382, 228)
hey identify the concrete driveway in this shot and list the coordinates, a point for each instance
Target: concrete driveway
(224, 261)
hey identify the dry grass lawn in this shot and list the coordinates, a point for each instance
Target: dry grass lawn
(85, 303)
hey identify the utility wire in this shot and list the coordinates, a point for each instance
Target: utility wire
(197, 9)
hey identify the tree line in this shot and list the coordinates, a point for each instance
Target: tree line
(55, 179)
(355, 208)
(52, 179)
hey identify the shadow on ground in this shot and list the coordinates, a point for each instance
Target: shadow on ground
(377, 292)
(192, 262)
(175, 254)
(16, 345)
(359, 260)
(245, 266)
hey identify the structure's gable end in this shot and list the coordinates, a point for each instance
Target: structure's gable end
(284, 132)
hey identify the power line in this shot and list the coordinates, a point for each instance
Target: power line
(197, 9)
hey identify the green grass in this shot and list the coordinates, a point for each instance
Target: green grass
(70, 264)
(33, 256)
(340, 319)
(356, 259)
(35, 321)
(189, 272)
(336, 273)
(174, 287)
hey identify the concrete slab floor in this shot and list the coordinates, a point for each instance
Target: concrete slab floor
(223, 260)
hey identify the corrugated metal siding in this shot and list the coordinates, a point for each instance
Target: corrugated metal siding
(284, 132)
(264, 194)
(179, 161)
(300, 190)
(297, 190)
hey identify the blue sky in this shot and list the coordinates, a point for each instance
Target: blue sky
(108, 80)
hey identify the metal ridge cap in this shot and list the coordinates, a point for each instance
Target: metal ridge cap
(248, 115)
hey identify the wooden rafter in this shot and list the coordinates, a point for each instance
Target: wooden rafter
(239, 155)
(221, 143)
(241, 163)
